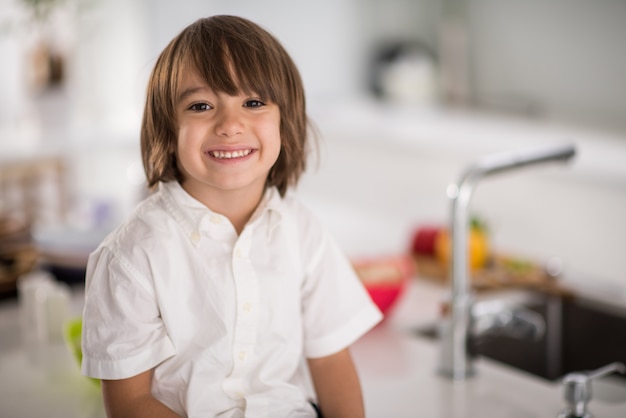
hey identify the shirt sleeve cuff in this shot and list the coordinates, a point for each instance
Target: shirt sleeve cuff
(128, 367)
(346, 335)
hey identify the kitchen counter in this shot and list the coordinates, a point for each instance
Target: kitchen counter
(399, 377)
(397, 370)
(40, 379)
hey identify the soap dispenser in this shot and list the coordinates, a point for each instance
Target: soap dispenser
(577, 387)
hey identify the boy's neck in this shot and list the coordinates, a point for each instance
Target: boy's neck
(238, 205)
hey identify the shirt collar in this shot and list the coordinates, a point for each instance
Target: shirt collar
(271, 204)
(189, 213)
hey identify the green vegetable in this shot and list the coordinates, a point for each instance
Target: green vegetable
(72, 332)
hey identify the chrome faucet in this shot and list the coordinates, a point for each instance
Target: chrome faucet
(455, 361)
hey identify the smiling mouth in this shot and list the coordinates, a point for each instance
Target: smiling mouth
(227, 155)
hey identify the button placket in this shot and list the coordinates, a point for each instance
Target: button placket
(218, 227)
(247, 294)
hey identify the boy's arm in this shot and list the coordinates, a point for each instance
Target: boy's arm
(132, 398)
(337, 385)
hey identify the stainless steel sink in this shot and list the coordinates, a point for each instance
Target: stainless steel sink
(580, 335)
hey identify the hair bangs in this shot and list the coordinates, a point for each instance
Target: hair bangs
(232, 62)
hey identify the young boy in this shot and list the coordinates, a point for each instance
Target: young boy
(221, 295)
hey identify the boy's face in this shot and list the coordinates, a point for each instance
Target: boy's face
(225, 143)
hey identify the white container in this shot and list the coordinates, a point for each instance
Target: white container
(44, 307)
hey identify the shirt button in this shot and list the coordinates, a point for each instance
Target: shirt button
(242, 355)
(239, 253)
(216, 219)
(247, 307)
(195, 237)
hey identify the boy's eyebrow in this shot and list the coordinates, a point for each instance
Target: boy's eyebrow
(189, 91)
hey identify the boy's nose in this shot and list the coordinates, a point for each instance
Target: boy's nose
(228, 124)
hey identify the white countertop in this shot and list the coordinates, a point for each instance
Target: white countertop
(397, 372)
(399, 377)
(42, 379)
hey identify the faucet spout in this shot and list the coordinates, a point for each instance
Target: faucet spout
(455, 361)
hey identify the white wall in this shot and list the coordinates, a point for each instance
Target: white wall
(108, 71)
(564, 58)
(561, 59)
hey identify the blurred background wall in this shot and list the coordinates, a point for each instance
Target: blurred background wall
(560, 60)
(74, 83)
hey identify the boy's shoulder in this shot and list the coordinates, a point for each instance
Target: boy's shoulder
(148, 220)
(292, 206)
(297, 213)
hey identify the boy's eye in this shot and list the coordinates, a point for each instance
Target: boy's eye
(200, 107)
(254, 103)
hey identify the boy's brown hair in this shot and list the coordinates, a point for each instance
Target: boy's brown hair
(231, 54)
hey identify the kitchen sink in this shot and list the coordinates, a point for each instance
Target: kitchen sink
(580, 335)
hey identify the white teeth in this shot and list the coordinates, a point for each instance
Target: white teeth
(230, 154)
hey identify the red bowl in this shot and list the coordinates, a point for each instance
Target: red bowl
(385, 278)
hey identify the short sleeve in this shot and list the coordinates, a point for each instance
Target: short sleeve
(337, 310)
(123, 334)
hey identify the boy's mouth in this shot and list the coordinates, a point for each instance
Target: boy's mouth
(226, 155)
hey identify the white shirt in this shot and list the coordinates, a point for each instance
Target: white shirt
(227, 320)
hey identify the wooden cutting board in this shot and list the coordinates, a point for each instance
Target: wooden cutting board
(501, 272)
